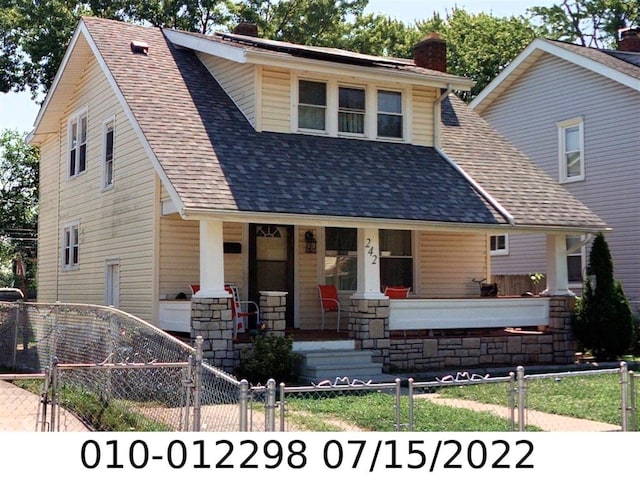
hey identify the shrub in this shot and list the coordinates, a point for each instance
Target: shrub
(603, 322)
(268, 357)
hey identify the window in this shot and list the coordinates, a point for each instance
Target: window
(70, 245)
(351, 110)
(341, 258)
(78, 144)
(108, 134)
(499, 245)
(571, 150)
(312, 105)
(389, 114)
(574, 259)
(396, 258)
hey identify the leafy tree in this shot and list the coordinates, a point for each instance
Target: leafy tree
(34, 34)
(309, 22)
(381, 35)
(591, 23)
(18, 203)
(604, 322)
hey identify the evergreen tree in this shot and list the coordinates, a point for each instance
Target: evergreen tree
(604, 322)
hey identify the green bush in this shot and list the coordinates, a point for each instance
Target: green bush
(603, 322)
(268, 357)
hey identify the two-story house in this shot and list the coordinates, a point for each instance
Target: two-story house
(171, 159)
(574, 111)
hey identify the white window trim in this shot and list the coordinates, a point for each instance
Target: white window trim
(70, 226)
(75, 118)
(108, 263)
(296, 103)
(110, 121)
(402, 115)
(562, 161)
(582, 252)
(502, 251)
(364, 134)
(371, 108)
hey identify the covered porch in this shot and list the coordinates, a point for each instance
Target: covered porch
(371, 321)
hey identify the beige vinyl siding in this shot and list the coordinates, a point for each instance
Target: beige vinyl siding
(446, 263)
(238, 80)
(234, 270)
(117, 223)
(180, 255)
(48, 232)
(276, 100)
(307, 285)
(422, 100)
(449, 262)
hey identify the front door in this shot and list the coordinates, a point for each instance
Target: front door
(271, 263)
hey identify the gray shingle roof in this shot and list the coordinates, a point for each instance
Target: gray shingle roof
(530, 195)
(625, 62)
(215, 160)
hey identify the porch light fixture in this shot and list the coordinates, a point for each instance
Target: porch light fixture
(310, 241)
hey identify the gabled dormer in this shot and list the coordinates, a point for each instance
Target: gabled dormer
(288, 88)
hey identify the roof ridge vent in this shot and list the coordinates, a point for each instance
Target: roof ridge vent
(140, 47)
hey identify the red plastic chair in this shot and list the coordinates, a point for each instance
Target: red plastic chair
(397, 292)
(329, 302)
(239, 311)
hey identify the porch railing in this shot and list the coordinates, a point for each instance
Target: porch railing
(489, 312)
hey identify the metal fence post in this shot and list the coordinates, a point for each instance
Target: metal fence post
(632, 400)
(411, 405)
(244, 404)
(15, 337)
(54, 392)
(521, 396)
(282, 406)
(187, 383)
(270, 406)
(197, 387)
(624, 392)
(512, 400)
(398, 406)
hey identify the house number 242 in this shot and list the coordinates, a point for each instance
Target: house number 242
(370, 251)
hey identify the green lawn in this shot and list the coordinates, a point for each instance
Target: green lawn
(593, 397)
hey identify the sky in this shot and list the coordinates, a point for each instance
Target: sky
(18, 111)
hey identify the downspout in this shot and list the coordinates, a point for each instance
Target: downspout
(437, 116)
(437, 120)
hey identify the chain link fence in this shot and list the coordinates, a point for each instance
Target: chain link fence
(112, 370)
(82, 367)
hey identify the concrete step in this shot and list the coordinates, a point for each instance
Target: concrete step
(321, 365)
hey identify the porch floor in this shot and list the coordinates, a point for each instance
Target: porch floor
(299, 335)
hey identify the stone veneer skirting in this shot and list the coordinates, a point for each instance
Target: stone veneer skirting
(407, 351)
(410, 351)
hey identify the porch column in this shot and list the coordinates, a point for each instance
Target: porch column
(211, 260)
(368, 265)
(210, 306)
(369, 312)
(557, 275)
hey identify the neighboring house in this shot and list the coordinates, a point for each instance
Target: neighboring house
(170, 159)
(575, 112)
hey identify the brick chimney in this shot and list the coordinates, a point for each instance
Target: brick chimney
(247, 29)
(431, 52)
(629, 40)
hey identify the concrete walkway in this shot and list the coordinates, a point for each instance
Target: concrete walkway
(547, 422)
(19, 412)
